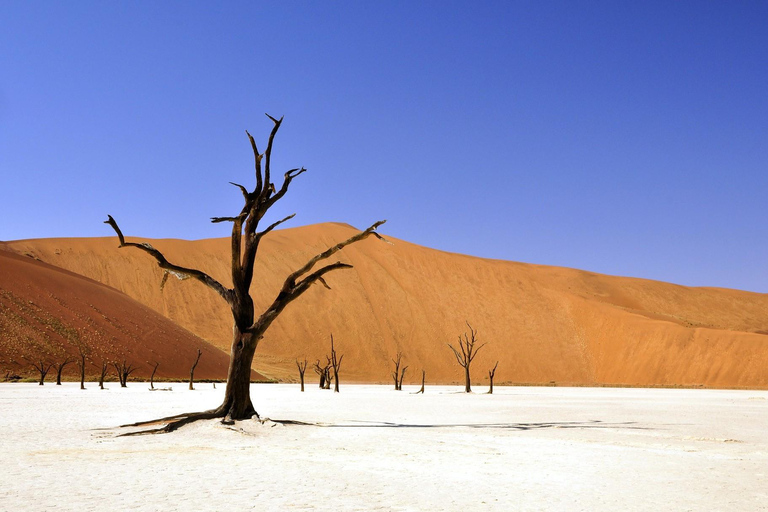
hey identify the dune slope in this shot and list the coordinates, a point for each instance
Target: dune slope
(50, 313)
(542, 323)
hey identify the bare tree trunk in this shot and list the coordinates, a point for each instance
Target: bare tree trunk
(467, 384)
(237, 403)
(59, 369)
(336, 363)
(152, 377)
(104, 368)
(466, 354)
(43, 370)
(302, 368)
(423, 378)
(192, 371)
(124, 370)
(396, 374)
(491, 374)
(402, 376)
(82, 370)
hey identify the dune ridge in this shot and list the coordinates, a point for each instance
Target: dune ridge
(544, 324)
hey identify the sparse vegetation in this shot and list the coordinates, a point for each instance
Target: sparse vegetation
(466, 354)
(398, 374)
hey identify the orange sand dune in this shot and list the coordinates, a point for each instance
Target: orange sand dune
(542, 323)
(49, 312)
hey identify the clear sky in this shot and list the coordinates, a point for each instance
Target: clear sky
(626, 138)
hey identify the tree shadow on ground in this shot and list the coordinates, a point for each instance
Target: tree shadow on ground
(591, 424)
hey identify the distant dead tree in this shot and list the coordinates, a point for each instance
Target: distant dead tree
(423, 378)
(324, 372)
(336, 364)
(82, 353)
(491, 373)
(43, 368)
(192, 371)
(59, 367)
(152, 377)
(249, 328)
(103, 375)
(398, 374)
(466, 353)
(123, 370)
(302, 368)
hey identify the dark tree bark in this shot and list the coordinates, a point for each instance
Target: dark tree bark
(152, 377)
(491, 374)
(402, 376)
(102, 376)
(59, 368)
(423, 378)
(43, 368)
(302, 368)
(467, 353)
(82, 369)
(192, 371)
(397, 376)
(124, 370)
(322, 372)
(336, 364)
(249, 328)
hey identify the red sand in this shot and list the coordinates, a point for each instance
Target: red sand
(542, 323)
(49, 312)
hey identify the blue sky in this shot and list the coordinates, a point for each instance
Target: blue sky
(626, 138)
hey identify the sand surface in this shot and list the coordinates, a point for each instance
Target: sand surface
(49, 313)
(542, 323)
(377, 449)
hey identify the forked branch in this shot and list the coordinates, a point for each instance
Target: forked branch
(178, 271)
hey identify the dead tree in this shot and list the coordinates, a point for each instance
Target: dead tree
(466, 353)
(302, 368)
(152, 377)
(81, 363)
(60, 367)
(324, 372)
(43, 368)
(124, 370)
(249, 328)
(423, 378)
(192, 371)
(336, 363)
(102, 376)
(398, 374)
(491, 374)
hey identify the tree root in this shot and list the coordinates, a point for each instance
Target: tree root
(171, 423)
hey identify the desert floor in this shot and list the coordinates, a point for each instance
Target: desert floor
(372, 448)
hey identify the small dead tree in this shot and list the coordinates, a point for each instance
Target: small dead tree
(124, 370)
(249, 326)
(336, 364)
(60, 367)
(491, 374)
(302, 368)
(82, 353)
(466, 353)
(423, 378)
(103, 374)
(192, 371)
(324, 372)
(43, 368)
(152, 377)
(398, 374)
(320, 373)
